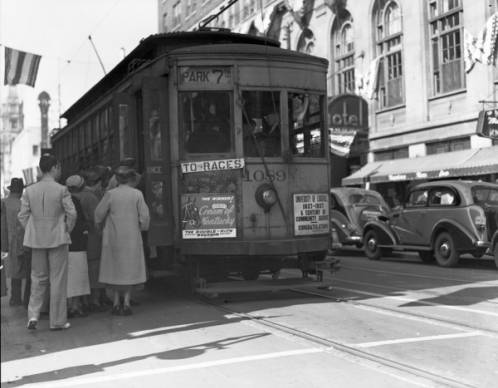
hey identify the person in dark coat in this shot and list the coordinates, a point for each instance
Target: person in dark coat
(98, 299)
(18, 263)
(78, 284)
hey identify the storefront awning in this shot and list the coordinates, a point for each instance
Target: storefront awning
(463, 163)
(361, 176)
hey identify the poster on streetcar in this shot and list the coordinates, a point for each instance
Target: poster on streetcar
(311, 214)
(207, 215)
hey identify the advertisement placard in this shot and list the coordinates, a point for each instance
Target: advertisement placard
(207, 215)
(311, 214)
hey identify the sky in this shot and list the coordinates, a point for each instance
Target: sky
(58, 30)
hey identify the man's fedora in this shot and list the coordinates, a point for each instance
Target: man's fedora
(16, 185)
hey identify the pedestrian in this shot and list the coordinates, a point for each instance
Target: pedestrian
(48, 216)
(135, 180)
(18, 263)
(78, 284)
(123, 214)
(89, 201)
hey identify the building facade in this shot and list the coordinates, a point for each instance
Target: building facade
(12, 123)
(423, 67)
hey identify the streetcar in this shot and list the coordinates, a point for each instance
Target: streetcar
(229, 132)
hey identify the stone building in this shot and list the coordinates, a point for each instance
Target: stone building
(12, 123)
(405, 58)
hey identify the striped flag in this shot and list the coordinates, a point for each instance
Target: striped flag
(20, 67)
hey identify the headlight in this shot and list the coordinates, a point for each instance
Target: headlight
(266, 196)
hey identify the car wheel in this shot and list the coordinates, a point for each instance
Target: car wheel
(426, 256)
(445, 251)
(372, 249)
(495, 253)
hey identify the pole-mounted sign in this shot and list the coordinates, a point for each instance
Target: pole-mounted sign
(487, 123)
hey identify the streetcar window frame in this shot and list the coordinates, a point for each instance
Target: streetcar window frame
(228, 123)
(323, 138)
(268, 124)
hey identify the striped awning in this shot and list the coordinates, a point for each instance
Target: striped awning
(463, 163)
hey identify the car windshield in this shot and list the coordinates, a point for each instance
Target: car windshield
(485, 196)
(364, 199)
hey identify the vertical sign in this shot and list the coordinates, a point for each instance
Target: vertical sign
(311, 214)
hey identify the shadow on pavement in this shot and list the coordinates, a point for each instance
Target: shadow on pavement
(173, 354)
(464, 297)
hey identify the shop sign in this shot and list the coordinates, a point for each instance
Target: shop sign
(205, 77)
(212, 165)
(206, 215)
(348, 111)
(311, 214)
(487, 124)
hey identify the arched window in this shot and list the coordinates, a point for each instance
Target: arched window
(343, 54)
(306, 43)
(389, 47)
(446, 40)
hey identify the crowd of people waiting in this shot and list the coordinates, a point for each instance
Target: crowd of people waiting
(73, 243)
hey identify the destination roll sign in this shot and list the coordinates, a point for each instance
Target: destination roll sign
(487, 123)
(204, 77)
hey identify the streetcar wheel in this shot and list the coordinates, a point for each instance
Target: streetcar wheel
(250, 274)
(372, 249)
(445, 251)
(495, 254)
(426, 256)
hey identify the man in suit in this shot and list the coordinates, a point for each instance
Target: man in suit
(48, 216)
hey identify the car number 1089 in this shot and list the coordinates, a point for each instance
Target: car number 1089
(261, 175)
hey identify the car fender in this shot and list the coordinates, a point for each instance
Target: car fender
(494, 240)
(463, 238)
(386, 235)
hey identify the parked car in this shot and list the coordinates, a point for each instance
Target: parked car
(494, 247)
(350, 210)
(441, 220)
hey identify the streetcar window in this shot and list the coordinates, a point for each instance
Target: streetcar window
(205, 121)
(261, 123)
(306, 124)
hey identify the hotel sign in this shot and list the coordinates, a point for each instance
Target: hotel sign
(487, 124)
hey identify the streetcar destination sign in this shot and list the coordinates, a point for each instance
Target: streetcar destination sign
(212, 165)
(203, 76)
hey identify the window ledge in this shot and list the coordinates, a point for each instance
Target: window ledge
(448, 94)
(390, 108)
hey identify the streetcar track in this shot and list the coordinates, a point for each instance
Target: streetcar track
(455, 280)
(411, 300)
(350, 350)
(401, 314)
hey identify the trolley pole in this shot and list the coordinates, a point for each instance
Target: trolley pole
(97, 53)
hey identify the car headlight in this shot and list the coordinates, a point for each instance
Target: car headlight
(266, 196)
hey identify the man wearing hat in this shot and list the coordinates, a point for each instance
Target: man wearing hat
(18, 263)
(48, 216)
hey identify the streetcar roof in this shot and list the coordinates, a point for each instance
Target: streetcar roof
(235, 49)
(156, 45)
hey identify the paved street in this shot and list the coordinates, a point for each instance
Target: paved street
(392, 323)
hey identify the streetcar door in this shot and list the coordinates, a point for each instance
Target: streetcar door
(155, 153)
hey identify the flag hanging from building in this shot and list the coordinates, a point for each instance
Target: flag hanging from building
(20, 67)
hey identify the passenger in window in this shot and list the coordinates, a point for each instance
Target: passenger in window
(210, 133)
(447, 199)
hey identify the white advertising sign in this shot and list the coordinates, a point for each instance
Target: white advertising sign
(311, 214)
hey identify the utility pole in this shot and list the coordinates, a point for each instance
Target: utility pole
(97, 53)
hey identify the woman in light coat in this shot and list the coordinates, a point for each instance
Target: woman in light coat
(123, 214)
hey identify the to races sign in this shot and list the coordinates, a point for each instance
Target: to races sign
(311, 214)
